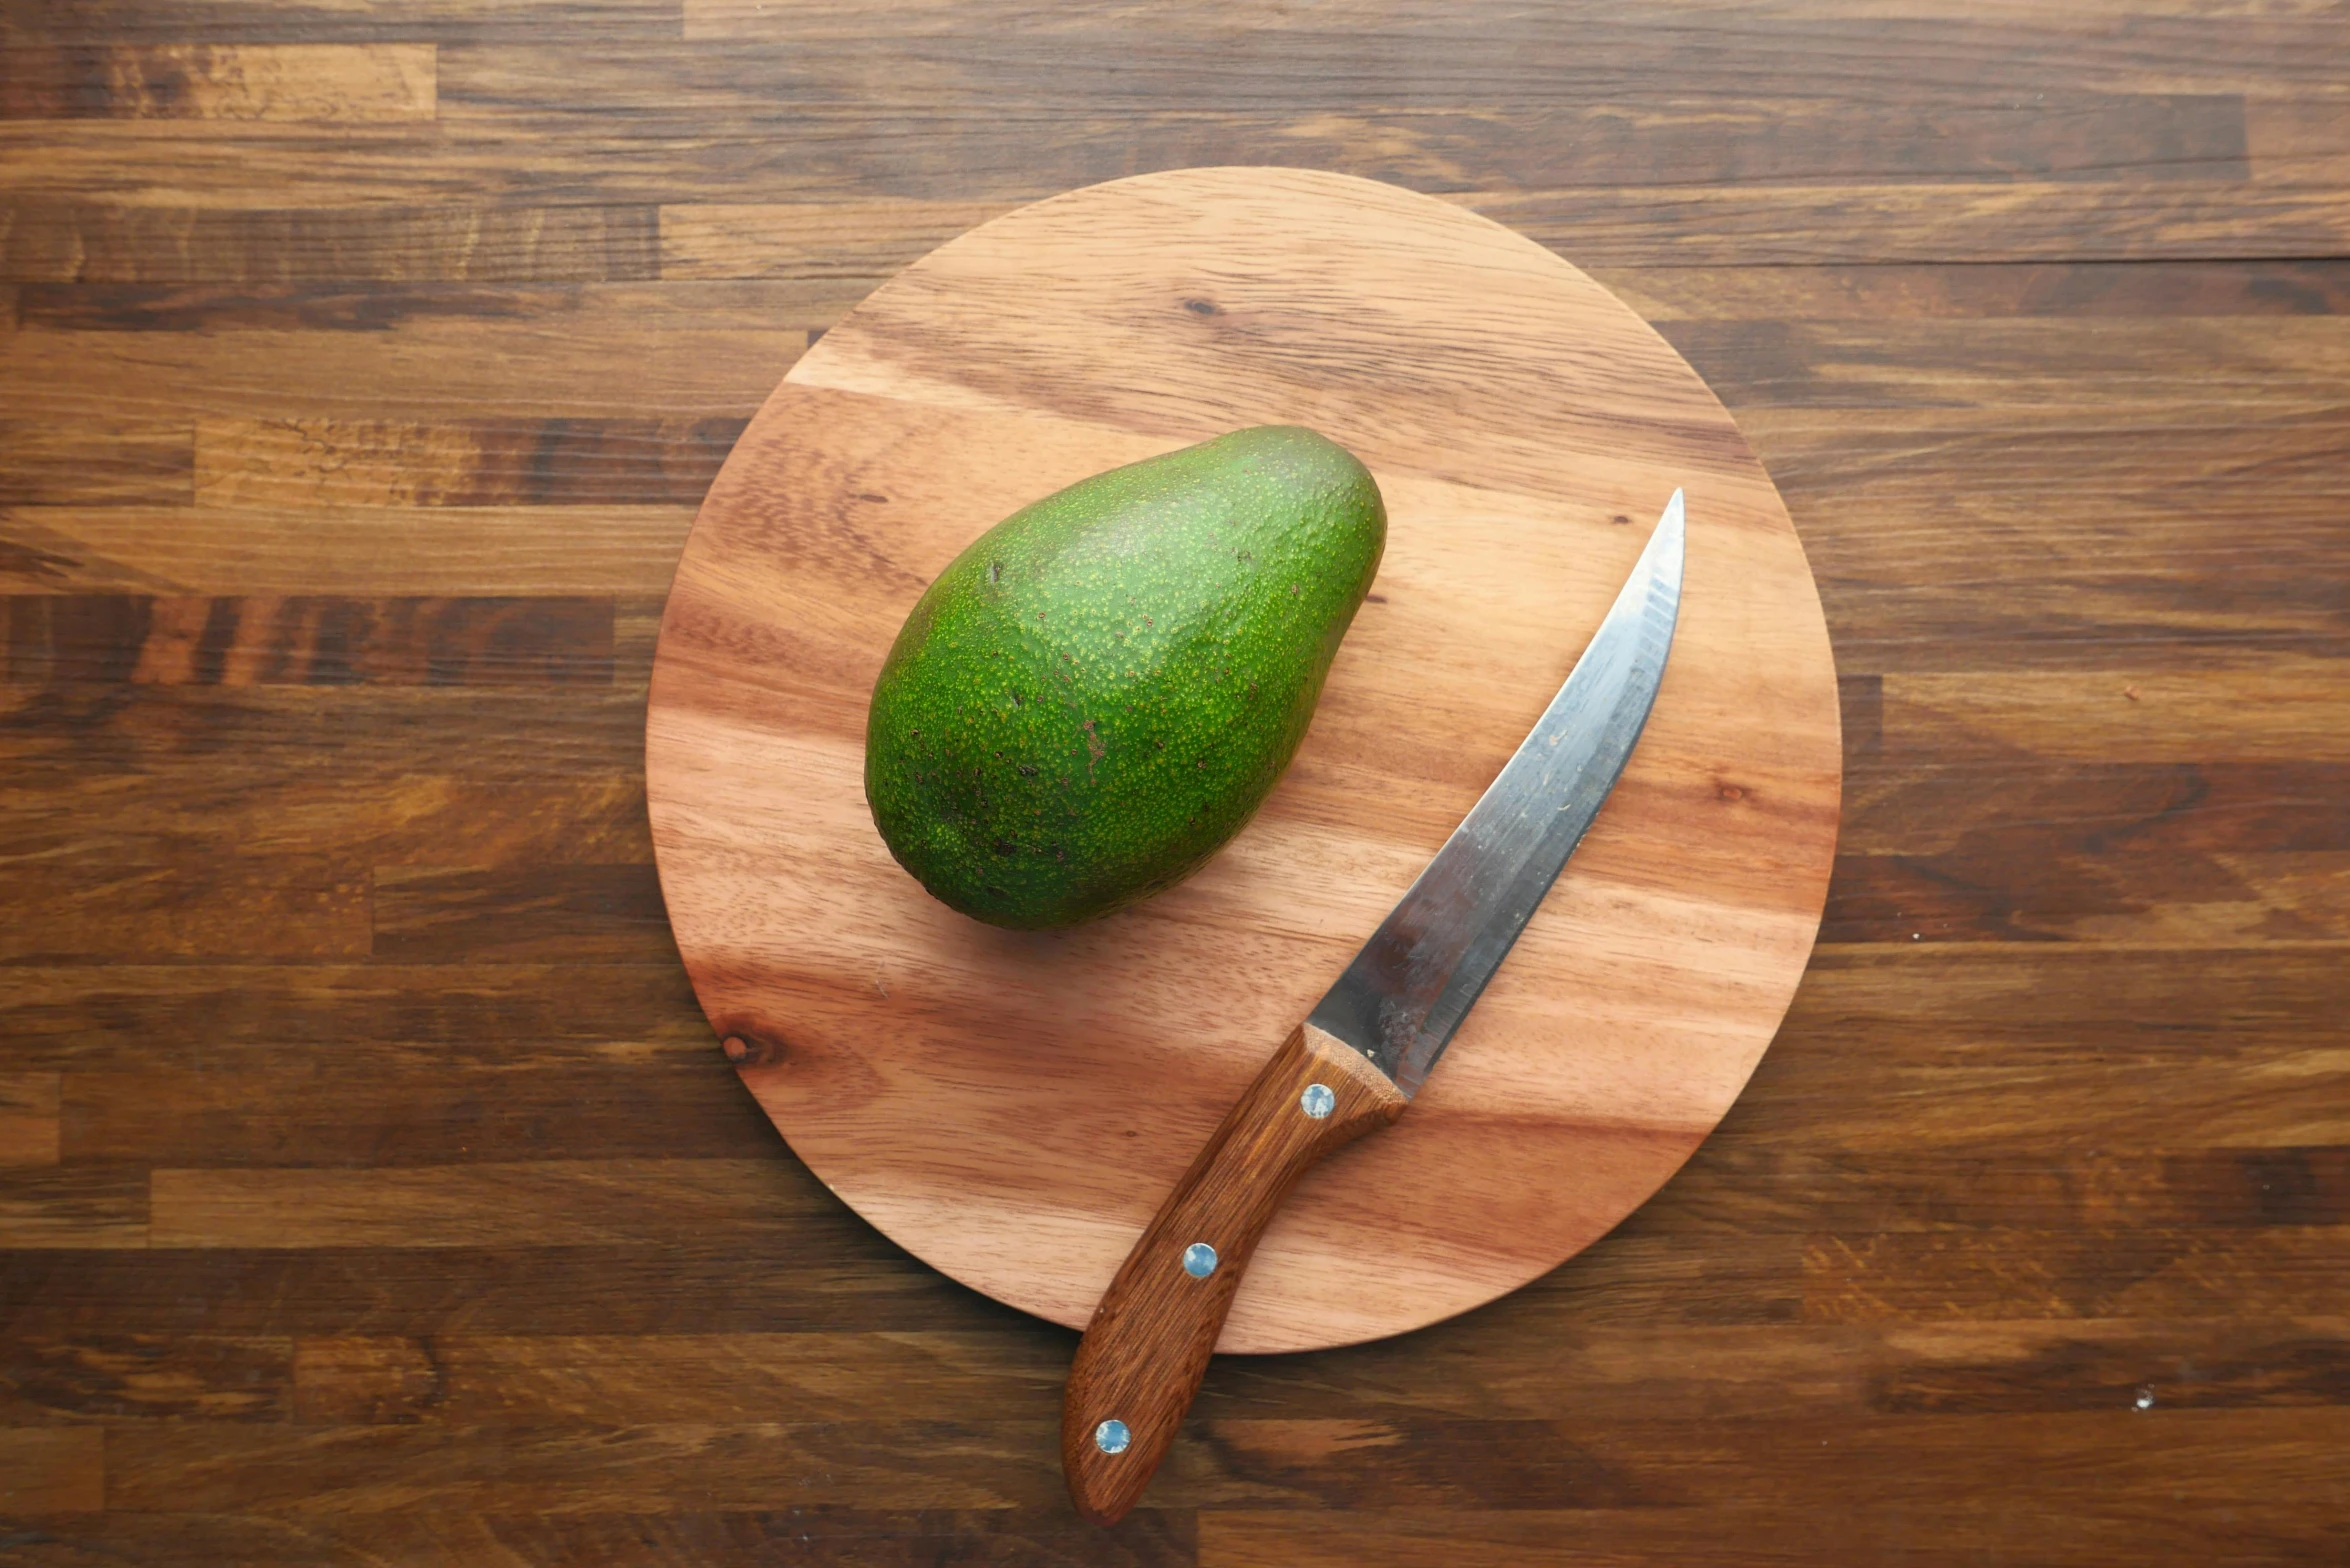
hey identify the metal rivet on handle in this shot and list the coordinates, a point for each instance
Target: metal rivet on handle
(1111, 1437)
(1317, 1101)
(1199, 1260)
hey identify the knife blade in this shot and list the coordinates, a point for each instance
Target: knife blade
(1365, 1049)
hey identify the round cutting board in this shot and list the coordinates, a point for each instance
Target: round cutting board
(1011, 1107)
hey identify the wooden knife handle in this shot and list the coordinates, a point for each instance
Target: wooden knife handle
(1148, 1345)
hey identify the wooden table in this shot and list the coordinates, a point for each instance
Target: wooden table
(372, 1189)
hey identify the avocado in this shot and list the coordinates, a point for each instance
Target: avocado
(1098, 693)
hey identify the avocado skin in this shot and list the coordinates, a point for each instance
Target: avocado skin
(1099, 692)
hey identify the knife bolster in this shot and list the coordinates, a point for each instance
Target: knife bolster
(1147, 1347)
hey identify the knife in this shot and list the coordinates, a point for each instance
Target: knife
(1363, 1052)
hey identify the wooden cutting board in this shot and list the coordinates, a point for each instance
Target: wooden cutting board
(1012, 1107)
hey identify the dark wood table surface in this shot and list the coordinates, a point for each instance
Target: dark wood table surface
(371, 1188)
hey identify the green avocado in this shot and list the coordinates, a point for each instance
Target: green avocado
(1098, 693)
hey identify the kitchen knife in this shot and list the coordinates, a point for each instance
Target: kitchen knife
(1363, 1052)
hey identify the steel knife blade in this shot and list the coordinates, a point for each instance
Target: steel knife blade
(1367, 1046)
(1405, 994)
